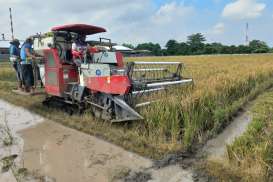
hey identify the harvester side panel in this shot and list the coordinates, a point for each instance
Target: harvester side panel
(116, 84)
(52, 84)
(57, 75)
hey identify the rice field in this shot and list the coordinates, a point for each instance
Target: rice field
(250, 157)
(222, 85)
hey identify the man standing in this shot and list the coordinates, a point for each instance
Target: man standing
(14, 52)
(27, 57)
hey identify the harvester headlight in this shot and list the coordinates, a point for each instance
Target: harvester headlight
(108, 79)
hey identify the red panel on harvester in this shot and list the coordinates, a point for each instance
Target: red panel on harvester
(57, 74)
(52, 75)
(111, 84)
(119, 57)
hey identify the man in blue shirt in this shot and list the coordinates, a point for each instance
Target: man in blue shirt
(27, 56)
(14, 53)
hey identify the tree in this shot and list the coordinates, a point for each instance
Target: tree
(183, 49)
(172, 47)
(226, 50)
(233, 49)
(213, 48)
(154, 48)
(242, 49)
(196, 43)
(128, 45)
(258, 46)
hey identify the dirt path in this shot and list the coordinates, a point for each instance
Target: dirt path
(12, 120)
(66, 155)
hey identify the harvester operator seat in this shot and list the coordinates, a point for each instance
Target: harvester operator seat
(63, 43)
(79, 47)
(68, 50)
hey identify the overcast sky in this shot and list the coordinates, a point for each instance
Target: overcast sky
(138, 21)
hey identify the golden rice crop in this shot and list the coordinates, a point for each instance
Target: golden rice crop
(222, 85)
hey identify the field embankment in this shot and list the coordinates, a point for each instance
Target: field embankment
(250, 157)
(223, 84)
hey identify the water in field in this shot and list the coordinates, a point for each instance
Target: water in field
(13, 120)
(216, 148)
(69, 155)
(57, 153)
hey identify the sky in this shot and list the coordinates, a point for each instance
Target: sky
(139, 21)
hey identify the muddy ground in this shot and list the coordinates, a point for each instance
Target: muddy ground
(68, 155)
(57, 153)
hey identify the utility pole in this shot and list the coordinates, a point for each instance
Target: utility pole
(11, 24)
(247, 38)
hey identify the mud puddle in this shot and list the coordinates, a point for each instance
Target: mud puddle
(69, 156)
(12, 120)
(61, 154)
(216, 147)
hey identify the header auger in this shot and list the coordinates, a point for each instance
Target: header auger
(99, 80)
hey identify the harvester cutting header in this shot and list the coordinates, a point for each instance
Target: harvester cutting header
(91, 75)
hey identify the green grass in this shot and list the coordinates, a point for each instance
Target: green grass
(250, 157)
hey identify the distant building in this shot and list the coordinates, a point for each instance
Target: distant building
(140, 53)
(4, 50)
(122, 48)
(130, 52)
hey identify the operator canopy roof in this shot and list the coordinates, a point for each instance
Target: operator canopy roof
(82, 29)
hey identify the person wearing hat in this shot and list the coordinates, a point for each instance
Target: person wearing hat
(27, 56)
(14, 52)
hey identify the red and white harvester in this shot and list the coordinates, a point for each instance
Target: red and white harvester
(102, 82)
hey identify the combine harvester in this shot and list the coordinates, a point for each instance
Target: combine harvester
(102, 82)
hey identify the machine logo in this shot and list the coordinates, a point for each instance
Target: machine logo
(98, 72)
